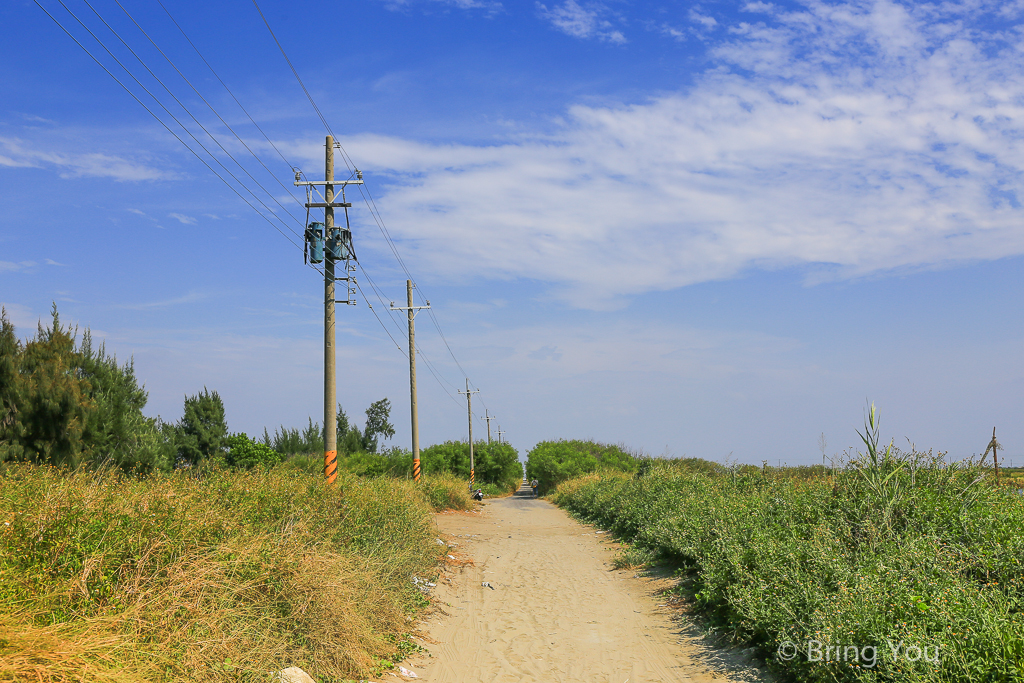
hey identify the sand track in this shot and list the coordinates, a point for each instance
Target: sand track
(558, 612)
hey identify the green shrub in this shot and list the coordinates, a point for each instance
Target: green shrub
(552, 462)
(496, 463)
(893, 548)
(245, 453)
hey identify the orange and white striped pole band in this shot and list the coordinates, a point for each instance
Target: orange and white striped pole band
(472, 480)
(331, 466)
(416, 469)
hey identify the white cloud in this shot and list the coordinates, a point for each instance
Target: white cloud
(582, 22)
(15, 267)
(705, 20)
(24, 321)
(853, 139)
(672, 32)
(181, 218)
(491, 6)
(18, 153)
(189, 298)
(51, 262)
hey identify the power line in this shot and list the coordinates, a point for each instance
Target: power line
(187, 111)
(144, 106)
(221, 118)
(371, 204)
(219, 79)
(296, 73)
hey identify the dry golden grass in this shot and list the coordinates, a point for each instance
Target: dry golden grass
(228, 577)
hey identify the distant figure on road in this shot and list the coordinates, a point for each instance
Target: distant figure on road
(478, 494)
(534, 484)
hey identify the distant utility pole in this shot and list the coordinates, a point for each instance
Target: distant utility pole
(329, 245)
(500, 432)
(488, 417)
(469, 408)
(412, 376)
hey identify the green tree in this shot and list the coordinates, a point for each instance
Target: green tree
(64, 404)
(116, 430)
(202, 429)
(10, 390)
(54, 399)
(377, 424)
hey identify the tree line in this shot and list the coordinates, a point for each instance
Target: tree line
(65, 401)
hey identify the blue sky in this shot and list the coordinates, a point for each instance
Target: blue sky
(709, 229)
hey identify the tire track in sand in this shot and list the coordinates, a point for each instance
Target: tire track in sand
(558, 612)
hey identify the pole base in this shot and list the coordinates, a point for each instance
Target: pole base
(331, 466)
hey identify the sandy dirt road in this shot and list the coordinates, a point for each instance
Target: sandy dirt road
(558, 612)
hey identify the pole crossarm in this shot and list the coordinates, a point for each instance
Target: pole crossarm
(297, 183)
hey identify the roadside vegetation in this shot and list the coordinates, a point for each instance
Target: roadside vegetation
(912, 555)
(133, 549)
(552, 462)
(226, 576)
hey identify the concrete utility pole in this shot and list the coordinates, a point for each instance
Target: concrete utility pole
(412, 377)
(469, 409)
(338, 245)
(500, 432)
(330, 374)
(488, 417)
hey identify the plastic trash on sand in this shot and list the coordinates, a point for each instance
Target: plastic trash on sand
(406, 672)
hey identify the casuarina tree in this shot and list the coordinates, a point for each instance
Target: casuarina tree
(202, 431)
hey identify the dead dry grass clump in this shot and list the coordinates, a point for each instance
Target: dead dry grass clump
(225, 577)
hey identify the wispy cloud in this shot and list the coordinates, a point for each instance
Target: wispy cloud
(51, 262)
(705, 20)
(16, 267)
(17, 153)
(181, 218)
(21, 317)
(847, 139)
(492, 6)
(581, 21)
(189, 298)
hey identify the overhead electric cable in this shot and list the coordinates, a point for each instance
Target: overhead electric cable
(371, 204)
(221, 81)
(296, 73)
(215, 113)
(144, 106)
(191, 115)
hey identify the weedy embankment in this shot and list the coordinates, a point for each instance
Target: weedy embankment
(225, 576)
(898, 567)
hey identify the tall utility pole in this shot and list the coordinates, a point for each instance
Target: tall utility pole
(469, 409)
(412, 377)
(330, 369)
(488, 417)
(338, 245)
